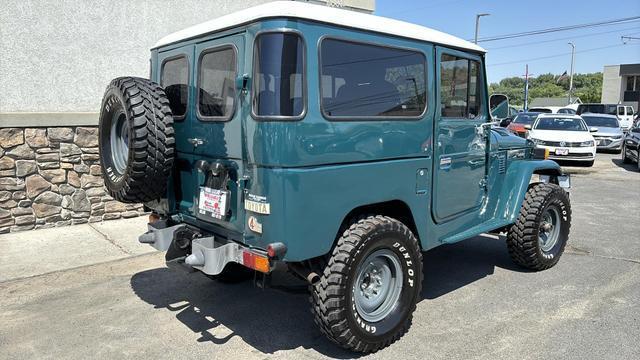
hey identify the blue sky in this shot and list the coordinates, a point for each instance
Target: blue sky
(506, 58)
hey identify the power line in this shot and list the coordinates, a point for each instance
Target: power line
(558, 55)
(561, 39)
(558, 29)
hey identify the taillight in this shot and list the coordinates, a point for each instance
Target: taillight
(256, 262)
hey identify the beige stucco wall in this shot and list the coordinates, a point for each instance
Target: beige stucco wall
(58, 56)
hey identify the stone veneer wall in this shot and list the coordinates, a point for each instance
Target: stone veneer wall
(52, 177)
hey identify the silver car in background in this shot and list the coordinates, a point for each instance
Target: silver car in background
(609, 134)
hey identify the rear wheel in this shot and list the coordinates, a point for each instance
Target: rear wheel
(136, 139)
(538, 238)
(368, 290)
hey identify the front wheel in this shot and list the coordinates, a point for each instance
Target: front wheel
(368, 290)
(538, 238)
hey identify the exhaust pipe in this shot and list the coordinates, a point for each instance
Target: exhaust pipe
(313, 278)
(305, 273)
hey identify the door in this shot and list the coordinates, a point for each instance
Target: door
(201, 83)
(216, 132)
(460, 137)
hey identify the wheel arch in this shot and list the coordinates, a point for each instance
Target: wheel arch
(396, 209)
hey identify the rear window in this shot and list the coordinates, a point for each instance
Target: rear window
(369, 81)
(541, 110)
(175, 81)
(279, 84)
(216, 84)
(597, 109)
(525, 119)
(601, 121)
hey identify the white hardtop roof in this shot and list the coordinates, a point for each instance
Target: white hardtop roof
(321, 13)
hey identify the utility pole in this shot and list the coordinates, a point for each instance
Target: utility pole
(526, 87)
(478, 16)
(573, 53)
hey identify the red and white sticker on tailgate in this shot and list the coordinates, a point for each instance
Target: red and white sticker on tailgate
(213, 202)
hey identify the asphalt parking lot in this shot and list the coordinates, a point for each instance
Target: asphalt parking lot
(475, 302)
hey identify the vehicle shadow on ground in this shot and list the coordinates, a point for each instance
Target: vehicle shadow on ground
(271, 320)
(633, 167)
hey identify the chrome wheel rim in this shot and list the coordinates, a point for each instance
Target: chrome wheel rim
(549, 231)
(378, 285)
(119, 142)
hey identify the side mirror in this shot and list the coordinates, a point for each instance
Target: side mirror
(593, 129)
(528, 127)
(499, 105)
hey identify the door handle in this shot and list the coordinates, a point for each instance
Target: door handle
(196, 142)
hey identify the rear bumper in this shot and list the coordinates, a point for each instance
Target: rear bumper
(207, 254)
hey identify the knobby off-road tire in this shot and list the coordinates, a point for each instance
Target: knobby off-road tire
(338, 300)
(545, 214)
(136, 140)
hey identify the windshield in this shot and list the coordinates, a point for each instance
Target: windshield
(597, 109)
(525, 119)
(601, 121)
(564, 124)
(541, 110)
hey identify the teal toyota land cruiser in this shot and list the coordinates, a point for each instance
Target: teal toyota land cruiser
(334, 144)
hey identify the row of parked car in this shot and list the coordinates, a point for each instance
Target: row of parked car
(577, 137)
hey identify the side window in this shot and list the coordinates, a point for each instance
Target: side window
(175, 81)
(363, 80)
(460, 87)
(216, 84)
(279, 84)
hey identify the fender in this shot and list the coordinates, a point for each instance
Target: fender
(516, 184)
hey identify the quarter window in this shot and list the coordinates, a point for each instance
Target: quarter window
(216, 84)
(368, 81)
(460, 87)
(175, 81)
(279, 83)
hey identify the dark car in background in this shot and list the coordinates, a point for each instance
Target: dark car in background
(609, 135)
(631, 146)
(518, 124)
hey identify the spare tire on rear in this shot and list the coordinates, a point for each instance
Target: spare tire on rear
(136, 140)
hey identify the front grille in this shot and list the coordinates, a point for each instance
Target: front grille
(561, 143)
(502, 163)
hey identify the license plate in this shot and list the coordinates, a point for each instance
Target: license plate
(213, 202)
(562, 151)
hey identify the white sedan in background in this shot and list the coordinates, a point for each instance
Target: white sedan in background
(566, 137)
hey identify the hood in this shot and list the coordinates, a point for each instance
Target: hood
(502, 139)
(608, 131)
(558, 135)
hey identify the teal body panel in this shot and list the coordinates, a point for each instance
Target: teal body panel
(313, 172)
